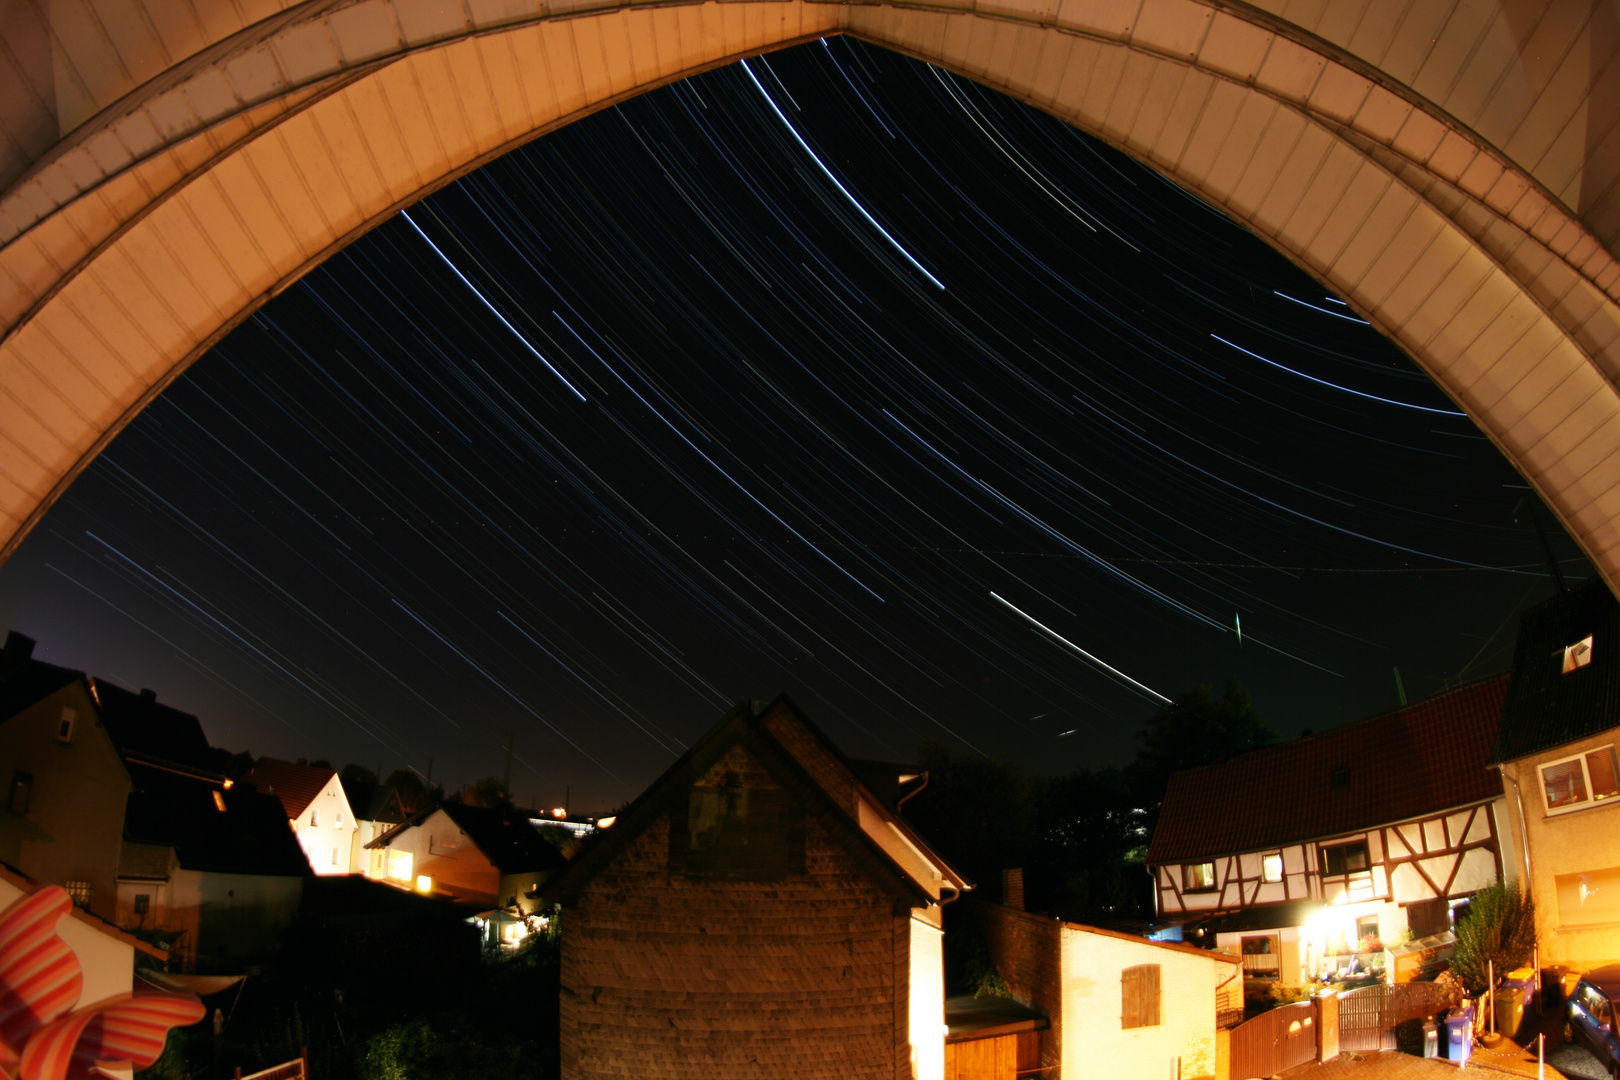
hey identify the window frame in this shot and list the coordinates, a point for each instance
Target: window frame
(21, 780)
(1282, 870)
(1187, 885)
(66, 721)
(1588, 800)
(79, 893)
(1346, 871)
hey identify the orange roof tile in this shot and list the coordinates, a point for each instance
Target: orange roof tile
(1414, 761)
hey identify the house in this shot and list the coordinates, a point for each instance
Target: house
(1309, 854)
(1116, 1004)
(757, 911)
(1556, 749)
(376, 809)
(211, 865)
(489, 860)
(147, 730)
(62, 819)
(316, 807)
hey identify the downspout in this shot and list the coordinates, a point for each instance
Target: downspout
(911, 794)
(1524, 834)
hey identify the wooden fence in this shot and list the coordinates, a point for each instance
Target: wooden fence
(1275, 1041)
(296, 1069)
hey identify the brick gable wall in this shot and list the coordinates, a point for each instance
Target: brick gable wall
(1026, 952)
(664, 978)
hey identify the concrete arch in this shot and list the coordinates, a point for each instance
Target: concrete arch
(1449, 168)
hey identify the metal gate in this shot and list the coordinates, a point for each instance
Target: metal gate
(1387, 1017)
(1275, 1041)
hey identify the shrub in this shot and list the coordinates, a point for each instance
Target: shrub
(1500, 928)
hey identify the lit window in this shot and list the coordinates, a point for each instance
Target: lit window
(1577, 655)
(338, 824)
(424, 883)
(79, 893)
(1343, 859)
(1575, 783)
(143, 903)
(22, 790)
(399, 865)
(514, 932)
(1271, 867)
(219, 802)
(64, 725)
(1200, 877)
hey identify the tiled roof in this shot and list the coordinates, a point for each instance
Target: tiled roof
(294, 784)
(1545, 707)
(139, 725)
(250, 836)
(1416, 760)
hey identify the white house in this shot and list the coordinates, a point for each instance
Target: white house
(317, 808)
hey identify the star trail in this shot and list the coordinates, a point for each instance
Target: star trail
(828, 372)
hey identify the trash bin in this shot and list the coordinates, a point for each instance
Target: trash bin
(1431, 1039)
(1510, 1001)
(1460, 1035)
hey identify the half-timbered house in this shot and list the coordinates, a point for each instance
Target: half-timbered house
(1333, 849)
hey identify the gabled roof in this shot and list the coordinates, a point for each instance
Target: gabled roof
(177, 809)
(1417, 760)
(808, 766)
(294, 784)
(505, 837)
(141, 727)
(1545, 707)
(25, 681)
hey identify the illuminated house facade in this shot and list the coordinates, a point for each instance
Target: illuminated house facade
(758, 911)
(1557, 752)
(316, 807)
(488, 860)
(1346, 848)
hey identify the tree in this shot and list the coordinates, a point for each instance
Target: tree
(487, 792)
(1196, 729)
(353, 774)
(414, 794)
(977, 811)
(1499, 930)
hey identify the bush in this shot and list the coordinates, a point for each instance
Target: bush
(1499, 929)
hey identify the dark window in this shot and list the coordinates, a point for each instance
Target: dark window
(79, 893)
(64, 725)
(738, 833)
(22, 790)
(1139, 996)
(1428, 917)
(1339, 779)
(1342, 859)
(143, 903)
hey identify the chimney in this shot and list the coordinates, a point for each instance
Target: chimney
(1012, 888)
(19, 650)
(148, 695)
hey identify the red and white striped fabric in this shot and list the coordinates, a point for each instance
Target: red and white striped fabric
(40, 977)
(124, 1032)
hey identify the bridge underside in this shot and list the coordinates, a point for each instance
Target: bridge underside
(1458, 195)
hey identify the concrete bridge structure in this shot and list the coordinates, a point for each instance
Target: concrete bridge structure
(1451, 168)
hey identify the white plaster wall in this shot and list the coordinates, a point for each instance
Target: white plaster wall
(927, 1001)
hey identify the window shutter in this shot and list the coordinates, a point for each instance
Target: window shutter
(1139, 996)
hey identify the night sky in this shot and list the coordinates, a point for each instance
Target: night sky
(829, 373)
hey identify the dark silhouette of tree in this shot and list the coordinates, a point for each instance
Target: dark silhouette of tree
(352, 774)
(414, 794)
(1197, 729)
